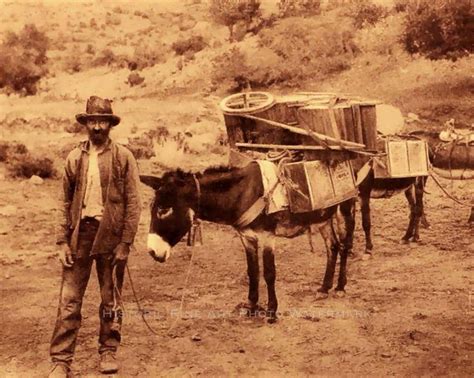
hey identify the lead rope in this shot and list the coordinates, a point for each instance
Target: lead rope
(446, 192)
(195, 229)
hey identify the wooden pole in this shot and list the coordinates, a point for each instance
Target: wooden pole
(287, 147)
(320, 138)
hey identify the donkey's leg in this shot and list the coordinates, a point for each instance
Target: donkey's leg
(348, 213)
(366, 225)
(347, 209)
(412, 223)
(471, 217)
(332, 247)
(419, 207)
(250, 241)
(269, 272)
(424, 219)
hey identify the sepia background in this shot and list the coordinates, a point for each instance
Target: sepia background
(166, 65)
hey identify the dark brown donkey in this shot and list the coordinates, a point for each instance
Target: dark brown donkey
(372, 187)
(453, 160)
(223, 195)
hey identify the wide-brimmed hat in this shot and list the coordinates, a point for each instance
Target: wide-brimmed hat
(98, 108)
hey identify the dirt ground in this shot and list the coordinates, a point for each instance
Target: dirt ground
(407, 312)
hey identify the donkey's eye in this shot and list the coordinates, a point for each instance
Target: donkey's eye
(164, 213)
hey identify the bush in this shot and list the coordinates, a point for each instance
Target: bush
(27, 165)
(135, 79)
(230, 12)
(23, 60)
(300, 8)
(147, 55)
(108, 58)
(400, 5)
(74, 128)
(365, 12)
(439, 29)
(8, 149)
(289, 52)
(190, 45)
(112, 19)
(142, 147)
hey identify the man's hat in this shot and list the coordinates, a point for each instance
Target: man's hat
(98, 108)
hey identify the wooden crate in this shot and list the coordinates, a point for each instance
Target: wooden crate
(315, 185)
(405, 158)
(283, 110)
(352, 121)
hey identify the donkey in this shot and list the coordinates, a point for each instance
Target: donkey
(451, 158)
(372, 187)
(227, 196)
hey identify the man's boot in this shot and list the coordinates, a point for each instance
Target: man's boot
(108, 363)
(60, 370)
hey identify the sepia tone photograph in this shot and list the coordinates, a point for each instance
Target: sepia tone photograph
(242, 188)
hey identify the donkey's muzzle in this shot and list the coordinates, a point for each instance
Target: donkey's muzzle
(160, 259)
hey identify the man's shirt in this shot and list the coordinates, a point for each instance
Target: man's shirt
(93, 206)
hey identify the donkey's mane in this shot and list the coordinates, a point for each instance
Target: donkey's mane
(209, 170)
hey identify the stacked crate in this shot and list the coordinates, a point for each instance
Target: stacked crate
(324, 177)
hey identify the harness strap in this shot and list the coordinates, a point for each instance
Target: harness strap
(198, 195)
(251, 214)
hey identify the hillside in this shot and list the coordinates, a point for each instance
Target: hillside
(91, 43)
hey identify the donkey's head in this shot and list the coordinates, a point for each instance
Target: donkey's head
(171, 213)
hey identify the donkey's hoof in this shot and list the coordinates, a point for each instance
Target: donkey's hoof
(249, 309)
(405, 241)
(272, 319)
(340, 293)
(321, 296)
(367, 256)
(417, 240)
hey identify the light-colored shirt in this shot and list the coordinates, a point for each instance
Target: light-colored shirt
(93, 206)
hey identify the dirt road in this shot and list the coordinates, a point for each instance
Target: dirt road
(408, 311)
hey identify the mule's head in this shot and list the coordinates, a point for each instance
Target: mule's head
(171, 213)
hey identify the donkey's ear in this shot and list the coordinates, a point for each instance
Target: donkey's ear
(151, 181)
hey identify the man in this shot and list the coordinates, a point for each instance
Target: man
(101, 215)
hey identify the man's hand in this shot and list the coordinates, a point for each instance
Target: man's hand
(65, 256)
(121, 254)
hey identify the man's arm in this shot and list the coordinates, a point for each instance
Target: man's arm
(132, 200)
(66, 195)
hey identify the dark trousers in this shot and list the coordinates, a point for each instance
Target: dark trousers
(73, 287)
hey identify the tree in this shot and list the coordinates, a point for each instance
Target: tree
(439, 28)
(23, 60)
(230, 12)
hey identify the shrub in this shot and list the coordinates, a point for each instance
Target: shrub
(112, 19)
(229, 12)
(8, 149)
(135, 79)
(190, 45)
(23, 60)
(141, 14)
(289, 52)
(147, 55)
(400, 5)
(383, 38)
(108, 58)
(439, 29)
(301, 8)
(142, 146)
(27, 165)
(365, 12)
(74, 128)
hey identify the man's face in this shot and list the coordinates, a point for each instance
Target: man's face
(98, 130)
